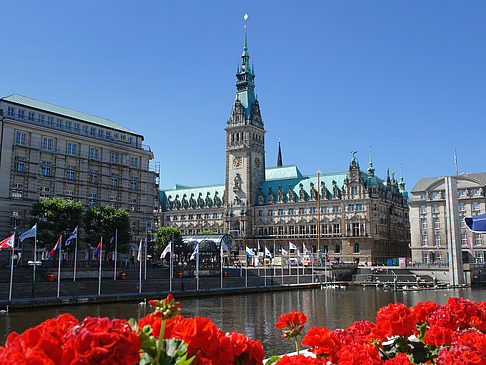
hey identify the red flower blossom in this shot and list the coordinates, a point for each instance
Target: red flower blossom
(438, 336)
(422, 310)
(294, 321)
(321, 341)
(400, 359)
(445, 317)
(357, 355)
(364, 332)
(463, 309)
(472, 339)
(395, 319)
(153, 320)
(39, 345)
(101, 341)
(300, 360)
(460, 355)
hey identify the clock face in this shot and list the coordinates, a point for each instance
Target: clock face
(237, 161)
(257, 162)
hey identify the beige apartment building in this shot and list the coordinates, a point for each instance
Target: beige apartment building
(51, 151)
(429, 221)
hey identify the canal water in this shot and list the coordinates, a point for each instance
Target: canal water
(255, 315)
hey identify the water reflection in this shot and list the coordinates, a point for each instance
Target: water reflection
(255, 315)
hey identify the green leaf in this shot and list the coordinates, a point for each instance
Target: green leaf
(272, 360)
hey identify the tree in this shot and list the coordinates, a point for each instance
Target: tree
(103, 222)
(207, 232)
(55, 217)
(162, 238)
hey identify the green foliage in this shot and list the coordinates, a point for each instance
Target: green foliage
(162, 238)
(103, 222)
(207, 232)
(272, 360)
(172, 352)
(55, 217)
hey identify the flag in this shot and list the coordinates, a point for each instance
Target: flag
(455, 157)
(304, 249)
(258, 245)
(298, 254)
(268, 253)
(284, 252)
(8, 242)
(71, 237)
(139, 256)
(98, 248)
(112, 239)
(241, 245)
(196, 250)
(292, 246)
(167, 249)
(28, 234)
(327, 255)
(249, 252)
(224, 246)
(437, 244)
(469, 238)
(56, 246)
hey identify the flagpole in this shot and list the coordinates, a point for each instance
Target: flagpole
(282, 266)
(312, 263)
(264, 265)
(246, 267)
(99, 271)
(35, 260)
(221, 261)
(75, 256)
(140, 267)
(298, 267)
(290, 272)
(197, 266)
(171, 262)
(11, 271)
(274, 255)
(145, 260)
(258, 257)
(59, 268)
(116, 252)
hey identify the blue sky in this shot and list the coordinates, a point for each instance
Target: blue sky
(407, 77)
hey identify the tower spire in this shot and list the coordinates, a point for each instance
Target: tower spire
(245, 84)
(402, 182)
(279, 158)
(371, 169)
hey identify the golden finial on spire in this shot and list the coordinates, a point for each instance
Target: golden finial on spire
(245, 17)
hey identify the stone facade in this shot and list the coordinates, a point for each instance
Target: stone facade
(428, 218)
(49, 151)
(360, 216)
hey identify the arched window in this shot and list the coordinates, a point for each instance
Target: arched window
(356, 248)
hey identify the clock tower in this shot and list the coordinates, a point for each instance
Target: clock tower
(245, 150)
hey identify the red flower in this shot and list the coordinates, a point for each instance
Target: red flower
(321, 341)
(357, 355)
(460, 355)
(39, 345)
(168, 307)
(294, 321)
(422, 310)
(300, 360)
(395, 319)
(438, 336)
(400, 359)
(463, 309)
(153, 320)
(364, 332)
(445, 317)
(472, 339)
(101, 341)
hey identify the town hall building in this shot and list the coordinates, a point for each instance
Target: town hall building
(353, 215)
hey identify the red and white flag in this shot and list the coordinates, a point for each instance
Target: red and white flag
(8, 242)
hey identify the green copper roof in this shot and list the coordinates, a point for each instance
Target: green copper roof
(51, 108)
(284, 172)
